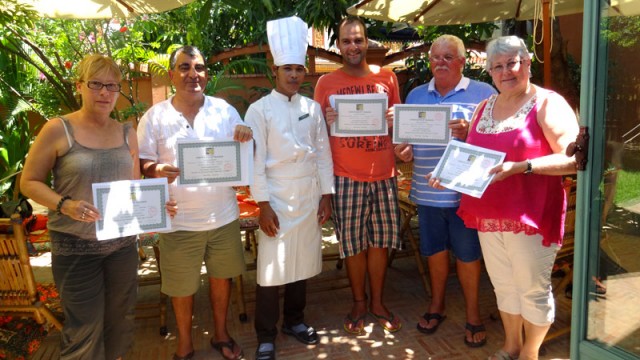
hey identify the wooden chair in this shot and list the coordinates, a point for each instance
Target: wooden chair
(18, 293)
(408, 210)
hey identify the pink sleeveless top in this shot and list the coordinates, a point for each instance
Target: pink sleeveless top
(532, 203)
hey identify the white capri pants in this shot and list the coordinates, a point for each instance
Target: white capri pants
(519, 267)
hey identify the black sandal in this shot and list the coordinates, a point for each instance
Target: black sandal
(429, 317)
(221, 345)
(474, 329)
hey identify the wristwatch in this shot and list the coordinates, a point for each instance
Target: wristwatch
(529, 168)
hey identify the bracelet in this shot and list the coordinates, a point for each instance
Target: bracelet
(62, 200)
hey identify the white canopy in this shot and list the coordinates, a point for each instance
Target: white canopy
(101, 9)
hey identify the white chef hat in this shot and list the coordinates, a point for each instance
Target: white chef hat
(288, 40)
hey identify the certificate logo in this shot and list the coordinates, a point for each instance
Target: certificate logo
(209, 151)
(134, 197)
(359, 107)
(422, 114)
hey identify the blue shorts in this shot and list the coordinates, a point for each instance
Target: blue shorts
(442, 229)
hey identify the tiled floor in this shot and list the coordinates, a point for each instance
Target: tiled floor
(329, 299)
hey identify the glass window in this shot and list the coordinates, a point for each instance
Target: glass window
(614, 287)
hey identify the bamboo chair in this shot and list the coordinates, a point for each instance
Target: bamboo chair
(18, 293)
(408, 209)
(161, 305)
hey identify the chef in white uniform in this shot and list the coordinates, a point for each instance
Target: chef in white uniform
(293, 183)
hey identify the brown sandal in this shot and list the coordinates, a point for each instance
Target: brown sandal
(231, 345)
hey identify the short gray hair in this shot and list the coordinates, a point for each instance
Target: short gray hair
(451, 39)
(187, 49)
(506, 45)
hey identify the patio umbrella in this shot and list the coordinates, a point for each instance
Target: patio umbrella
(101, 9)
(452, 12)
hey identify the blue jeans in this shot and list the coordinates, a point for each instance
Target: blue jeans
(98, 294)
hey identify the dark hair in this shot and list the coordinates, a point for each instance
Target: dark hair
(187, 49)
(350, 20)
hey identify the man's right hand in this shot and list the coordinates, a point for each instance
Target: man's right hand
(269, 223)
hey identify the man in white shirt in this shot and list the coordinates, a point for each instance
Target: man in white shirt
(206, 227)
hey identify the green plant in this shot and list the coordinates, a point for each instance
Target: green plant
(50, 49)
(15, 140)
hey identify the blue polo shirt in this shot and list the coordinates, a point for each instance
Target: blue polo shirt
(463, 99)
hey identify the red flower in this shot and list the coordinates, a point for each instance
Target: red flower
(123, 29)
(68, 64)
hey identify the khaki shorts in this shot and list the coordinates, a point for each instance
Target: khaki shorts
(182, 254)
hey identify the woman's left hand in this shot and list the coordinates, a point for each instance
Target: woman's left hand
(506, 169)
(80, 210)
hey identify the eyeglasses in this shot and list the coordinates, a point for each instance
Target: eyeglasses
(97, 85)
(509, 66)
(446, 58)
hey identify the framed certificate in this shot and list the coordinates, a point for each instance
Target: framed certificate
(421, 124)
(359, 115)
(209, 162)
(465, 168)
(131, 207)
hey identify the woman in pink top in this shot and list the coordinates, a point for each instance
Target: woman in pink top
(520, 217)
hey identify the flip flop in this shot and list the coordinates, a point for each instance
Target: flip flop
(354, 326)
(429, 317)
(221, 345)
(474, 329)
(383, 320)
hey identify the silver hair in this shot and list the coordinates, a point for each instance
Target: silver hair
(452, 39)
(187, 49)
(506, 45)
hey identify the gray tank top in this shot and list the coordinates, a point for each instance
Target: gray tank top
(73, 174)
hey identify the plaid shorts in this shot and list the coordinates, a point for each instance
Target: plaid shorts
(366, 214)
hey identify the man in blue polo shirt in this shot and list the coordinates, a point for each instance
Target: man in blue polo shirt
(441, 229)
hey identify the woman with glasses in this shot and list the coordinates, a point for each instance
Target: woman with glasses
(520, 217)
(97, 280)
